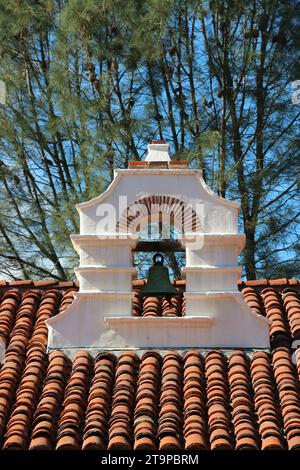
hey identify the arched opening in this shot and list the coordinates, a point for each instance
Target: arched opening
(159, 222)
(159, 234)
(182, 214)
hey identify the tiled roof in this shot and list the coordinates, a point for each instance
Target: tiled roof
(166, 400)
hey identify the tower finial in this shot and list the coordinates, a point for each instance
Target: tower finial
(158, 151)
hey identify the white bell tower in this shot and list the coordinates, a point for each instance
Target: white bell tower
(101, 315)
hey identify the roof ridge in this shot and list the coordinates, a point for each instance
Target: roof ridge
(43, 284)
(270, 282)
(40, 284)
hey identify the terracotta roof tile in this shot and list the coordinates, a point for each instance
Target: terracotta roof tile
(288, 390)
(266, 402)
(151, 307)
(99, 403)
(71, 422)
(147, 402)
(45, 422)
(137, 305)
(46, 282)
(9, 304)
(159, 401)
(171, 307)
(259, 282)
(218, 407)
(195, 401)
(274, 312)
(170, 422)
(120, 433)
(293, 282)
(242, 403)
(252, 298)
(278, 282)
(21, 283)
(291, 302)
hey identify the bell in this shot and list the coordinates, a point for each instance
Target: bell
(158, 283)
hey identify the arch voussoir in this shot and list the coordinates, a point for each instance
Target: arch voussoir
(181, 213)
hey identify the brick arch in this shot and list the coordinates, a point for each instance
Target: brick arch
(182, 213)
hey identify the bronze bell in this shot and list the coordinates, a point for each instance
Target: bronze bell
(158, 283)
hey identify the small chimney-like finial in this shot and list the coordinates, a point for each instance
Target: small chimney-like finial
(158, 151)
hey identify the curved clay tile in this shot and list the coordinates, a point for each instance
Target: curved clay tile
(170, 423)
(287, 386)
(253, 300)
(99, 404)
(71, 421)
(151, 307)
(67, 299)
(137, 304)
(120, 423)
(14, 363)
(8, 308)
(219, 422)
(171, 307)
(243, 411)
(275, 312)
(147, 403)
(266, 403)
(158, 401)
(291, 301)
(195, 417)
(20, 422)
(45, 422)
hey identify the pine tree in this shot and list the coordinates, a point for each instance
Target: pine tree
(91, 83)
